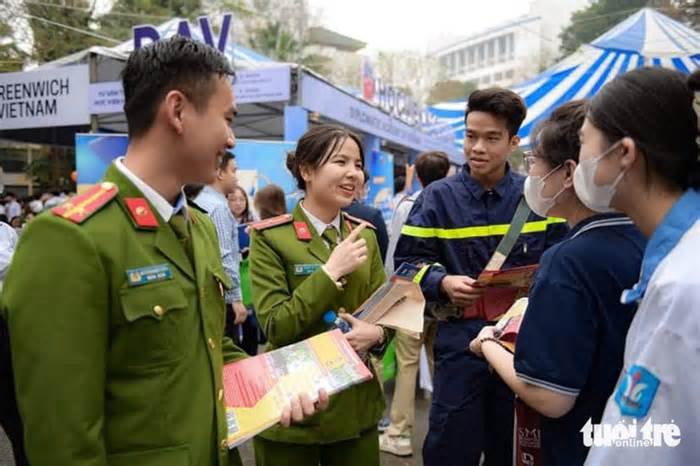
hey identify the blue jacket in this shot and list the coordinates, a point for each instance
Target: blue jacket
(456, 223)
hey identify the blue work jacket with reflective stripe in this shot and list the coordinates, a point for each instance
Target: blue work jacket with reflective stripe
(457, 223)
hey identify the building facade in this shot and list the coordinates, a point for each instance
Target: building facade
(512, 51)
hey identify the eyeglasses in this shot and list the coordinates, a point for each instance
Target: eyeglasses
(529, 161)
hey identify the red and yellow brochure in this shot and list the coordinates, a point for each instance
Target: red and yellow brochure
(503, 288)
(257, 389)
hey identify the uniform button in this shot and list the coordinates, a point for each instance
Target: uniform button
(158, 310)
(224, 445)
(201, 293)
(221, 394)
(212, 345)
(342, 310)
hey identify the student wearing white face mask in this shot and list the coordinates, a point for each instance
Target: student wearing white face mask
(570, 345)
(645, 126)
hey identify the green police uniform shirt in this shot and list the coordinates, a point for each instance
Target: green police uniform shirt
(291, 293)
(117, 335)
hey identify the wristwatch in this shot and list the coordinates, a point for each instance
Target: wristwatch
(380, 347)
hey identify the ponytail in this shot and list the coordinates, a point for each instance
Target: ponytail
(694, 172)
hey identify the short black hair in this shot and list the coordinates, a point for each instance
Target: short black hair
(502, 103)
(224, 160)
(654, 107)
(557, 139)
(317, 146)
(176, 63)
(432, 166)
(399, 183)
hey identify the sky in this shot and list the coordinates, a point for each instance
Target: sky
(413, 24)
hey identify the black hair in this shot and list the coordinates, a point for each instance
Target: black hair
(317, 146)
(556, 139)
(502, 103)
(176, 63)
(192, 190)
(270, 201)
(399, 183)
(432, 166)
(224, 160)
(654, 107)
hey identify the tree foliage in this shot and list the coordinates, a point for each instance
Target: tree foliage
(11, 56)
(59, 28)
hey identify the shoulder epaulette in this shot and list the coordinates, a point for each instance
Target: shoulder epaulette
(83, 206)
(357, 221)
(271, 222)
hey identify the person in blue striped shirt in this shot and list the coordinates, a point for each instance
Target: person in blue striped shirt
(213, 199)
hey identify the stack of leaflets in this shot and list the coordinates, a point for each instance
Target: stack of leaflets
(397, 304)
(257, 389)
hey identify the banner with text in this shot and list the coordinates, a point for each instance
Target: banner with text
(37, 99)
(251, 86)
(319, 96)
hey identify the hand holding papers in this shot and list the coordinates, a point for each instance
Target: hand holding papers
(258, 390)
(505, 332)
(397, 304)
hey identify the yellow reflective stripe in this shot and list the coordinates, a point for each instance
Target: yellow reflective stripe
(421, 273)
(476, 231)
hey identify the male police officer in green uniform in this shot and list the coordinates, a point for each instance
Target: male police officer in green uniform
(114, 299)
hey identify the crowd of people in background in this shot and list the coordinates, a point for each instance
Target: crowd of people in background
(17, 211)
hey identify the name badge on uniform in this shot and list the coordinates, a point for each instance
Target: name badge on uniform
(150, 274)
(636, 392)
(305, 269)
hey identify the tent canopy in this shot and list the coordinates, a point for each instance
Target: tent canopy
(647, 38)
(260, 121)
(240, 56)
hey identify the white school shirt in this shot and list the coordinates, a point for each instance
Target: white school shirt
(660, 380)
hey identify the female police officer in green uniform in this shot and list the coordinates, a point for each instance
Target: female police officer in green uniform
(301, 266)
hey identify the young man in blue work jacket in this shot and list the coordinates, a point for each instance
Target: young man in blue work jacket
(456, 225)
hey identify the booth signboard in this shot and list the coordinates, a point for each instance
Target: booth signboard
(381, 182)
(263, 162)
(262, 85)
(319, 96)
(45, 98)
(106, 97)
(251, 86)
(93, 154)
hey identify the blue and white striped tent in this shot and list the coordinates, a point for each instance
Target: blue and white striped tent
(647, 38)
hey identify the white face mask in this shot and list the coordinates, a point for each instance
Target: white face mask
(534, 185)
(595, 197)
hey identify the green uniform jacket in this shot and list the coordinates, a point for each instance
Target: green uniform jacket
(291, 293)
(112, 374)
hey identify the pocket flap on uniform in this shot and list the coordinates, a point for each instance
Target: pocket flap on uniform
(222, 277)
(153, 300)
(171, 456)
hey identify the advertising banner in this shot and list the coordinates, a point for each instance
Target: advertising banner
(39, 99)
